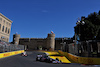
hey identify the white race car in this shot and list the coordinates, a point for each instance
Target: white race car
(24, 54)
(56, 61)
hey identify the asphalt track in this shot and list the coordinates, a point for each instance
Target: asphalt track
(29, 61)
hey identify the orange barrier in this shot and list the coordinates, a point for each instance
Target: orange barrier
(7, 54)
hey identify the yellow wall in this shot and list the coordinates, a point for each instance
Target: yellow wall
(82, 60)
(3, 55)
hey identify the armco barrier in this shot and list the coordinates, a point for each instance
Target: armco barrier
(82, 60)
(6, 54)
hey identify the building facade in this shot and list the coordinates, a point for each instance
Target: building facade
(49, 43)
(5, 27)
(36, 43)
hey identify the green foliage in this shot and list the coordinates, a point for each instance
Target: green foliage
(91, 28)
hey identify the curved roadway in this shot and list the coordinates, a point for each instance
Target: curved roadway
(29, 61)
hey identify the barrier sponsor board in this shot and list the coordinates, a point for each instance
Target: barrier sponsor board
(2, 55)
(82, 60)
(51, 53)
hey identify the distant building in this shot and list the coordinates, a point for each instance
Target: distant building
(5, 27)
(61, 43)
(36, 43)
(16, 38)
(49, 43)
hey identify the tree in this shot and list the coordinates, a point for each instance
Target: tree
(91, 29)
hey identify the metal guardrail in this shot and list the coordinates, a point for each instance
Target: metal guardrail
(84, 48)
(7, 47)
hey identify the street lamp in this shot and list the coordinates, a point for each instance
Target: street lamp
(77, 35)
(80, 23)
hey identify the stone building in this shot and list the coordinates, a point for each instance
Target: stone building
(33, 43)
(5, 27)
(50, 43)
(16, 38)
(36, 43)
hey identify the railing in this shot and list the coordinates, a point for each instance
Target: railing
(84, 48)
(7, 47)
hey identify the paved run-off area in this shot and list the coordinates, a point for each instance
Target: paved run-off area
(61, 58)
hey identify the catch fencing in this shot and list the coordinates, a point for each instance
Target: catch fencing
(7, 47)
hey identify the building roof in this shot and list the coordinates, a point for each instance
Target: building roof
(5, 17)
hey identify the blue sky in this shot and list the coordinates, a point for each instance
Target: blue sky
(36, 18)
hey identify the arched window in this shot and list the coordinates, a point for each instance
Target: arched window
(3, 29)
(0, 20)
(0, 26)
(6, 30)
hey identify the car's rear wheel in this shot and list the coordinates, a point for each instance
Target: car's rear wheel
(36, 59)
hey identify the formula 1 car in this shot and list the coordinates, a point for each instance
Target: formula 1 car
(24, 54)
(38, 57)
(44, 59)
(56, 61)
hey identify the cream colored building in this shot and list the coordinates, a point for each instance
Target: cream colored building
(5, 27)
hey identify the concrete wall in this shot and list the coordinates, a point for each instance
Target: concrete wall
(37, 43)
(33, 43)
